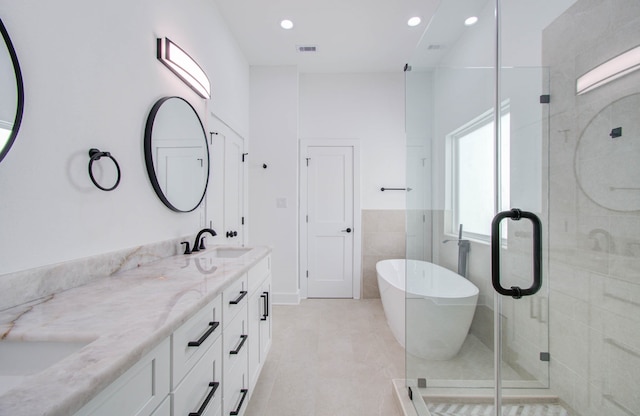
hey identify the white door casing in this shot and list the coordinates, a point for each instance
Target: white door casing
(226, 199)
(330, 219)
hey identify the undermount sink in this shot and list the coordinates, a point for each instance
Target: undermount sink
(230, 252)
(19, 359)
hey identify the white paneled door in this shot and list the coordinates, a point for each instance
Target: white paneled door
(330, 221)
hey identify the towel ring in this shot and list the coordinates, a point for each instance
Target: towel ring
(96, 154)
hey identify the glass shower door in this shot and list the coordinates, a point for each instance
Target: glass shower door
(472, 153)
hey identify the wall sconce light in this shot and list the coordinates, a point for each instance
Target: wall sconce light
(614, 68)
(181, 64)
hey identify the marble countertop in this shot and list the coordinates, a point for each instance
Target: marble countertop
(123, 317)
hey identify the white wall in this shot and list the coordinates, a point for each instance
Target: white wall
(274, 133)
(91, 77)
(368, 107)
(286, 107)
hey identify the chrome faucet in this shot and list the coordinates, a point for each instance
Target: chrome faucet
(464, 246)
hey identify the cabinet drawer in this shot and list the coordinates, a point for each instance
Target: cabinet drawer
(234, 298)
(139, 391)
(236, 342)
(164, 409)
(258, 273)
(236, 392)
(194, 337)
(201, 390)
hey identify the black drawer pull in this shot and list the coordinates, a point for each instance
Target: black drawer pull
(237, 300)
(200, 411)
(237, 411)
(239, 347)
(212, 327)
(265, 299)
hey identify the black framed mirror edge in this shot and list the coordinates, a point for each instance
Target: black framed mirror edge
(148, 154)
(20, 91)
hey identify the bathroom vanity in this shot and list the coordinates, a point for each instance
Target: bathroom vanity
(185, 335)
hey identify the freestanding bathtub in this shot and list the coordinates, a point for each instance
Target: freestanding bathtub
(439, 306)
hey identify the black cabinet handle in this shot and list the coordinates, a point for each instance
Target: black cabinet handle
(243, 338)
(515, 291)
(265, 300)
(237, 411)
(200, 411)
(237, 300)
(212, 327)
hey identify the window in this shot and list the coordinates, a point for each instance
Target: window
(473, 171)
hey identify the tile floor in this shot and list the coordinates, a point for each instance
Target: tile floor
(329, 357)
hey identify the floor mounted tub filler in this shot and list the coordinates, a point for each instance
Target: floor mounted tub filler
(439, 304)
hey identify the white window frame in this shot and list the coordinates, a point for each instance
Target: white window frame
(500, 171)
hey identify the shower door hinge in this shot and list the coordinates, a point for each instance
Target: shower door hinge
(242, 220)
(307, 219)
(545, 99)
(307, 274)
(545, 356)
(410, 393)
(308, 161)
(243, 156)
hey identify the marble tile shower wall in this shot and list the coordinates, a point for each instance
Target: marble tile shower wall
(24, 286)
(594, 235)
(383, 237)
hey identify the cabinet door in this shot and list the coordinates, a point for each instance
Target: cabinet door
(201, 390)
(194, 337)
(139, 391)
(236, 391)
(265, 321)
(255, 313)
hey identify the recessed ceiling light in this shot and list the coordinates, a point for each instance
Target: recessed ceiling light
(414, 21)
(470, 21)
(286, 24)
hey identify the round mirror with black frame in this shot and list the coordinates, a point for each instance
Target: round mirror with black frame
(177, 154)
(11, 94)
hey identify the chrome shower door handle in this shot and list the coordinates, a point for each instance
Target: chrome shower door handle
(515, 291)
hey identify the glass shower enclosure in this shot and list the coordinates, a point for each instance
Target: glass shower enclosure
(511, 187)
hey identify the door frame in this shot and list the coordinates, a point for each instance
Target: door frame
(302, 215)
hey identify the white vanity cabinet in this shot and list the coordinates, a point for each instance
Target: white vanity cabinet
(142, 390)
(259, 278)
(210, 363)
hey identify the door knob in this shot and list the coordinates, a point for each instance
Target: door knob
(348, 230)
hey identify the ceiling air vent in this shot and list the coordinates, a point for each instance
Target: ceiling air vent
(306, 48)
(435, 46)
